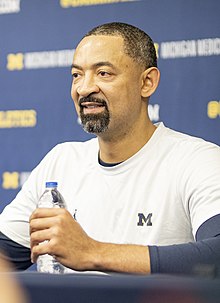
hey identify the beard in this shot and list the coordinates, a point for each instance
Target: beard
(95, 123)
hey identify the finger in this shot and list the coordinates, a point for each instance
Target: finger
(41, 249)
(47, 212)
(39, 237)
(40, 224)
(45, 247)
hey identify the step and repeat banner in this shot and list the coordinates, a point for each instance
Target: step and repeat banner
(37, 42)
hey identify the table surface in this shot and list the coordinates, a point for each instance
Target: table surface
(84, 288)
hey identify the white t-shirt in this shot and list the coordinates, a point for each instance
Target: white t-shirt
(159, 196)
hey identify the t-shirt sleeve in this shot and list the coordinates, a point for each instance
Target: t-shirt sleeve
(14, 220)
(198, 183)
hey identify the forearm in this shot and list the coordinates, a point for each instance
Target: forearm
(185, 258)
(172, 259)
(123, 258)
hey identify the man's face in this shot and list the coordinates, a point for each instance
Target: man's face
(106, 86)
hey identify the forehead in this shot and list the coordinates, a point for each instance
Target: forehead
(100, 48)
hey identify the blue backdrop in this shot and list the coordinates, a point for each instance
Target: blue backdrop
(37, 41)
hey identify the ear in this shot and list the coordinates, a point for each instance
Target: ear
(150, 81)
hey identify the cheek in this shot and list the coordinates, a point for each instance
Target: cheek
(126, 101)
(74, 97)
(73, 92)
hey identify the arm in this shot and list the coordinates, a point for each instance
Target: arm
(123, 258)
(78, 251)
(186, 258)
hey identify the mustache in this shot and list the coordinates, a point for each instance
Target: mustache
(92, 99)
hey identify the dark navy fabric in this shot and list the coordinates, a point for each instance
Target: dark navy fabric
(187, 258)
(210, 228)
(19, 255)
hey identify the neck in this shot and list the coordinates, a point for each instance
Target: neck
(120, 148)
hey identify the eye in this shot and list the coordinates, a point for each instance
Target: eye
(75, 75)
(103, 73)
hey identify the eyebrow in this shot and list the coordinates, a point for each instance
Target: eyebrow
(95, 65)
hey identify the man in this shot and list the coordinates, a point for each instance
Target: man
(141, 198)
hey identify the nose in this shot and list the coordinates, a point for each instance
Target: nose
(87, 86)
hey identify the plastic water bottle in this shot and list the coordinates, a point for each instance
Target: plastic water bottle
(50, 198)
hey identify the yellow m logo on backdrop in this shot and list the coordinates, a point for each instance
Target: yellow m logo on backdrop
(10, 180)
(213, 109)
(15, 61)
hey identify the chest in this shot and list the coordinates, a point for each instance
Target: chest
(124, 208)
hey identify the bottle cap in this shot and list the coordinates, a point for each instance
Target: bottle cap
(51, 184)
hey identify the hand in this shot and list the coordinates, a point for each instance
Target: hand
(11, 291)
(65, 238)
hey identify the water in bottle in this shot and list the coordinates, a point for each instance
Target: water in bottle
(50, 198)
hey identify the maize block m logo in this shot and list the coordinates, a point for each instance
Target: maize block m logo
(15, 61)
(144, 220)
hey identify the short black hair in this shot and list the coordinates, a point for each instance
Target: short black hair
(137, 44)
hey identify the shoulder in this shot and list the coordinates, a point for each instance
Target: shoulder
(74, 149)
(192, 160)
(189, 148)
(65, 156)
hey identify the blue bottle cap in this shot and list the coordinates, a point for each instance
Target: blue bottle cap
(51, 184)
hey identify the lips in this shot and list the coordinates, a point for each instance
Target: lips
(92, 107)
(91, 104)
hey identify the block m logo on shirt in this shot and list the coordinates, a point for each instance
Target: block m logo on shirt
(144, 220)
